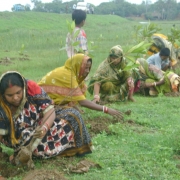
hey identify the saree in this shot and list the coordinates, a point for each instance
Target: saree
(112, 78)
(66, 84)
(150, 73)
(67, 136)
(161, 41)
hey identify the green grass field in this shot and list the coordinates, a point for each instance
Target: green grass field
(147, 149)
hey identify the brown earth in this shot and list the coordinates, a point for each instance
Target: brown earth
(7, 60)
(95, 126)
(172, 94)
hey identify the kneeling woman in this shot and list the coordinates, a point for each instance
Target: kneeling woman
(111, 82)
(26, 112)
(156, 81)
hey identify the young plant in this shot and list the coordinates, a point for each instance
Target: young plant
(7, 150)
(21, 51)
(135, 52)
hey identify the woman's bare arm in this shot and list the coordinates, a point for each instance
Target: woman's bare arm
(91, 105)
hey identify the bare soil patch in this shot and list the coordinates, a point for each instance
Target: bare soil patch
(43, 174)
(9, 60)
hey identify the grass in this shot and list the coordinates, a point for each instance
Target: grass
(146, 149)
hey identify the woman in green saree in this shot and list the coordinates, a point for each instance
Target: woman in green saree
(154, 79)
(111, 82)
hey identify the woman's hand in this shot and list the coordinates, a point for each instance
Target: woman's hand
(39, 132)
(115, 113)
(96, 100)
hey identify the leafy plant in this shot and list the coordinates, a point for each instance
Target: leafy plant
(21, 51)
(144, 32)
(133, 53)
(174, 36)
(7, 150)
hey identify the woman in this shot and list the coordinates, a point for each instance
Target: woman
(111, 82)
(155, 80)
(27, 112)
(161, 41)
(65, 85)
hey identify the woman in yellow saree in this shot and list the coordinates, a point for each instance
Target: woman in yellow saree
(65, 85)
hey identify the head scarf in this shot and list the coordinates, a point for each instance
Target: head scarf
(116, 51)
(66, 84)
(7, 111)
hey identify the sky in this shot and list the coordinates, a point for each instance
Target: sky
(6, 5)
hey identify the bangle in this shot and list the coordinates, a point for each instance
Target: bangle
(155, 84)
(47, 125)
(105, 110)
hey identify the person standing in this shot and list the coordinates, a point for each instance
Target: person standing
(79, 17)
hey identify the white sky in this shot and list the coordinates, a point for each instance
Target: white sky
(6, 5)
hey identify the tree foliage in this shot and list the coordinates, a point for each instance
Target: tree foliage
(161, 9)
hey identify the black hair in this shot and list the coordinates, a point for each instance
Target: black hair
(78, 16)
(89, 60)
(164, 52)
(13, 79)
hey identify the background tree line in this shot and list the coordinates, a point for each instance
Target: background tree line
(162, 9)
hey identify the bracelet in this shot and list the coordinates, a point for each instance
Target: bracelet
(47, 125)
(155, 84)
(48, 108)
(105, 110)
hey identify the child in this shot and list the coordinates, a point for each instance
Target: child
(79, 16)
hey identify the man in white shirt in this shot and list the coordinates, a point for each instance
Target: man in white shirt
(161, 59)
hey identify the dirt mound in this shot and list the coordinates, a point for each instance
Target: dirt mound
(43, 174)
(101, 124)
(7, 60)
